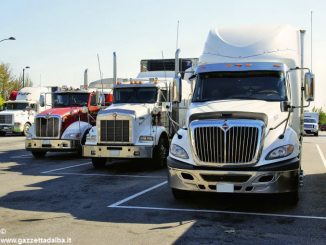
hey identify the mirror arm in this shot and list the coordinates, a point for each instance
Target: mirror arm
(288, 118)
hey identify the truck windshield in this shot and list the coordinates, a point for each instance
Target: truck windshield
(70, 99)
(15, 106)
(255, 85)
(135, 95)
(309, 120)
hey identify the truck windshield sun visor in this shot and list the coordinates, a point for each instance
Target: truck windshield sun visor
(243, 85)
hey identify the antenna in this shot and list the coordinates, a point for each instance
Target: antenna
(177, 42)
(99, 67)
(311, 40)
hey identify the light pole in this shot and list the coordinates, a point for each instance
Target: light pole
(27, 67)
(10, 38)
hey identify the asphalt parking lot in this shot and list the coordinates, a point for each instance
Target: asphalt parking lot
(129, 202)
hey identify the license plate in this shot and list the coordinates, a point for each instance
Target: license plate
(114, 153)
(224, 187)
(46, 142)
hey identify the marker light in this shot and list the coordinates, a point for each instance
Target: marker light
(248, 65)
(277, 65)
(228, 65)
(238, 65)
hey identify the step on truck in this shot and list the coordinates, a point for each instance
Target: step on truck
(244, 125)
(19, 112)
(63, 128)
(137, 124)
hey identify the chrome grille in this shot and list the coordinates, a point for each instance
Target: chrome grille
(114, 130)
(231, 145)
(47, 127)
(6, 119)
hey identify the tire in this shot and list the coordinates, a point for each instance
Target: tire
(38, 154)
(161, 151)
(26, 128)
(316, 134)
(2, 133)
(98, 162)
(179, 194)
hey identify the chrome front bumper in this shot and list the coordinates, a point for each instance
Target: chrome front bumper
(232, 180)
(52, 145)
(117, 151)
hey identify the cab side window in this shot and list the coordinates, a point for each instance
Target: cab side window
(163, 96)
(93, 100)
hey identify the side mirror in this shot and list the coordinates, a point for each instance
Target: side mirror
(309, 86)
(286, 106)
(177, 89)
(42, 100)
(84, 109)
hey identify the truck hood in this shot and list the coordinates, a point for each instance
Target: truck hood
(61, 111)
(137, 110)
(267, 111)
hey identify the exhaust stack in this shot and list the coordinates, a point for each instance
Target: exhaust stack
(86, 79)
(114, 68)
(177, 62)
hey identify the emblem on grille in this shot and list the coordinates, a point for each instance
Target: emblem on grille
(225, 126)
(115, 115)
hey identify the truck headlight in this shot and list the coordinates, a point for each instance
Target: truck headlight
(279, 152)
(178, 151)
(146, 138)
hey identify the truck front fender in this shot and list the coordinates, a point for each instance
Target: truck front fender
(76, 130)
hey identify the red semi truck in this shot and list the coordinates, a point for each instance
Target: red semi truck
(65, 125)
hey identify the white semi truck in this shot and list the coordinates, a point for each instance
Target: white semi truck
(244, 127)
(137, 124)
(18, 114)
(311, 121)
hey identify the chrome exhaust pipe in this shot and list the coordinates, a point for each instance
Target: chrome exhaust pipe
(114, 68)
(86, 79)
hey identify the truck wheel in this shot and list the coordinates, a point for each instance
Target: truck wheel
(316, 134)
(2, 133)
(161, 152)
(38, 154)
(26, 128)
(98, 162)
(179, 194)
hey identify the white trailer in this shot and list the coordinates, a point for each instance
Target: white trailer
(244, 126)
(137, 124)
(18, 114)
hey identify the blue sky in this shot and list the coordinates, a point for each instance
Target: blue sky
(58, 39)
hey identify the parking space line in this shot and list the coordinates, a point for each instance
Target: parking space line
(321, 155)
(22, 156)
(57, 169)
(114, 175)
(136, 195)
(220, 212)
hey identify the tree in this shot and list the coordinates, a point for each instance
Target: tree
(9, 82)
(322, 115)
(5, 78)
